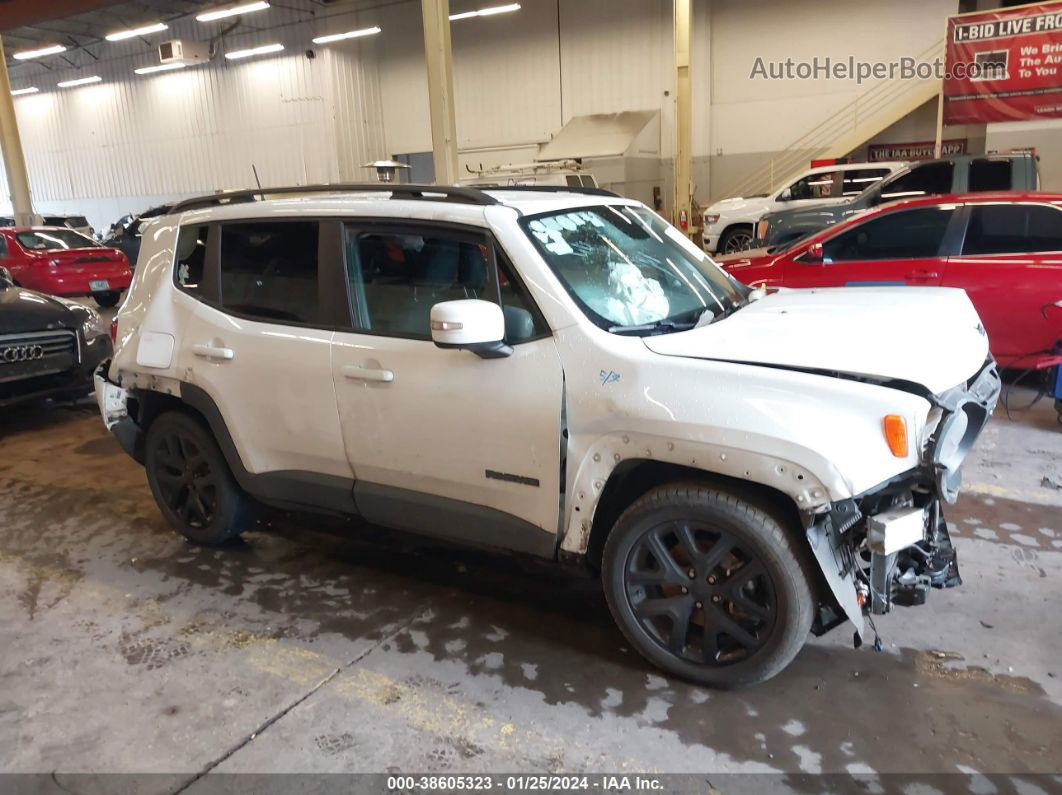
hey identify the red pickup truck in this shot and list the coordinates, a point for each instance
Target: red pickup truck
(1004, 249)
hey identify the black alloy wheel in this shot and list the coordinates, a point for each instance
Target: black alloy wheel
(700, 593)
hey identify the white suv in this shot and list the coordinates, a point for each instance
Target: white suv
(729, 224)
(561, 373)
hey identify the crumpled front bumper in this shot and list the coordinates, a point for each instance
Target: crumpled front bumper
(890, 545)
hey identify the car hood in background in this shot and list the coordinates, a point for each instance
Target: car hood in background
(25, 310)
(751, 256)
(739, 204)
(930, 336)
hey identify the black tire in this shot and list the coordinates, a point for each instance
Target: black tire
(191, 482)
(736, 238)
(108, 299)
(746, 611)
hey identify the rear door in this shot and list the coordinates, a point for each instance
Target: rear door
(901, 248)
(258, 339)
(1011, 267)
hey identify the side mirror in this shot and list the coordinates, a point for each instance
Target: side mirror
(785, 195)
(470, 324)
(814, 254)
(6, 279)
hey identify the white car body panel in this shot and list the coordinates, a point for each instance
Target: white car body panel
(750, 209)
(853, 330)
(448, 415)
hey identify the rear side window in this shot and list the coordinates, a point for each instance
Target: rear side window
(268, 271)
(989, 175)
(1013, 229)
(911, 234)
(190, 258)
(931, 179)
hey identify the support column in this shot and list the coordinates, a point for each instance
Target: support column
(683, 117)
(11, 144)
(439, 56)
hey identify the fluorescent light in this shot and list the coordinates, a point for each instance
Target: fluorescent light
(486, 12)
(232, 11)
(255, 51)
(141, 31)
(163, 67)
(19, 91)
(352, 34)
(81, 81)
(26, 54)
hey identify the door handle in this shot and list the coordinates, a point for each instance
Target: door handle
(212, 351)
(922, 274)
(368, 374)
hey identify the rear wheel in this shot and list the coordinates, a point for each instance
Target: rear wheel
(707, 586)
(106, 300)
(191, 482)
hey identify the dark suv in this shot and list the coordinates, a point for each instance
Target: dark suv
(960, 174)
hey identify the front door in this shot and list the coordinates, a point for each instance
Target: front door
(442, 441)
(895, 249)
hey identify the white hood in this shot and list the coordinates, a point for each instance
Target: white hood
(928, 335)
(740, 203)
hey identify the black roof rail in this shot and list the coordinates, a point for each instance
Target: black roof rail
(555, 189)
(398, 190)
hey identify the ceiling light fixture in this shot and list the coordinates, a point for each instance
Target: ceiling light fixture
(232, 11)
(352, 34)
(81, 81)
(27, 54)
(143, 30)
(486, 12)
(20, 91)
(255, 51)
(162, 67)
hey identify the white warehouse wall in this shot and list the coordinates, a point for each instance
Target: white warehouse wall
(519, 77)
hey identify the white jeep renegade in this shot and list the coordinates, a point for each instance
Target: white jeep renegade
(555, 372)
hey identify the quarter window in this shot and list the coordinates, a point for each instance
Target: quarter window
(190, 259)
(1013, 229)
(269, 271)
(911, 234)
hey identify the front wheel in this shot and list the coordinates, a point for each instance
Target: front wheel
(107, 300)
(735, 239)
(707, 586)
(191, 482)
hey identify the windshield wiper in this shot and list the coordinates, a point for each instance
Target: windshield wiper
(658, 327)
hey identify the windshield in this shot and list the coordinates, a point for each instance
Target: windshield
(625, 266)
(54, 240)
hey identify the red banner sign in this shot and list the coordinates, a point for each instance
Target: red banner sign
(920, 150)
(1004, 65)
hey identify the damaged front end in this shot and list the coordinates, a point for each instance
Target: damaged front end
(890, 545)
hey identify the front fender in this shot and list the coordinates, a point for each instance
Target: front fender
(804, 476)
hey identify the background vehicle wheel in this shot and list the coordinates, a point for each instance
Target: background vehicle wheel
(707, 586)
(737, 238)
(107, 300)
(191, 482)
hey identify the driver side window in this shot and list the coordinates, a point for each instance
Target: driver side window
(910, 234)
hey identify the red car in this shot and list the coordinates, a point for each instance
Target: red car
(1004, 249)
(60, 261)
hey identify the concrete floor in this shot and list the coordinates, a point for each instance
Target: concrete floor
(124, 648)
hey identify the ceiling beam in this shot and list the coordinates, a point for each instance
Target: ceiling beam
(18, 13)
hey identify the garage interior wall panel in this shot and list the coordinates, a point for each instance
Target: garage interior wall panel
(133, 141)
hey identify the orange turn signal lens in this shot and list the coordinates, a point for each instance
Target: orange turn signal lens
(895, 428)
